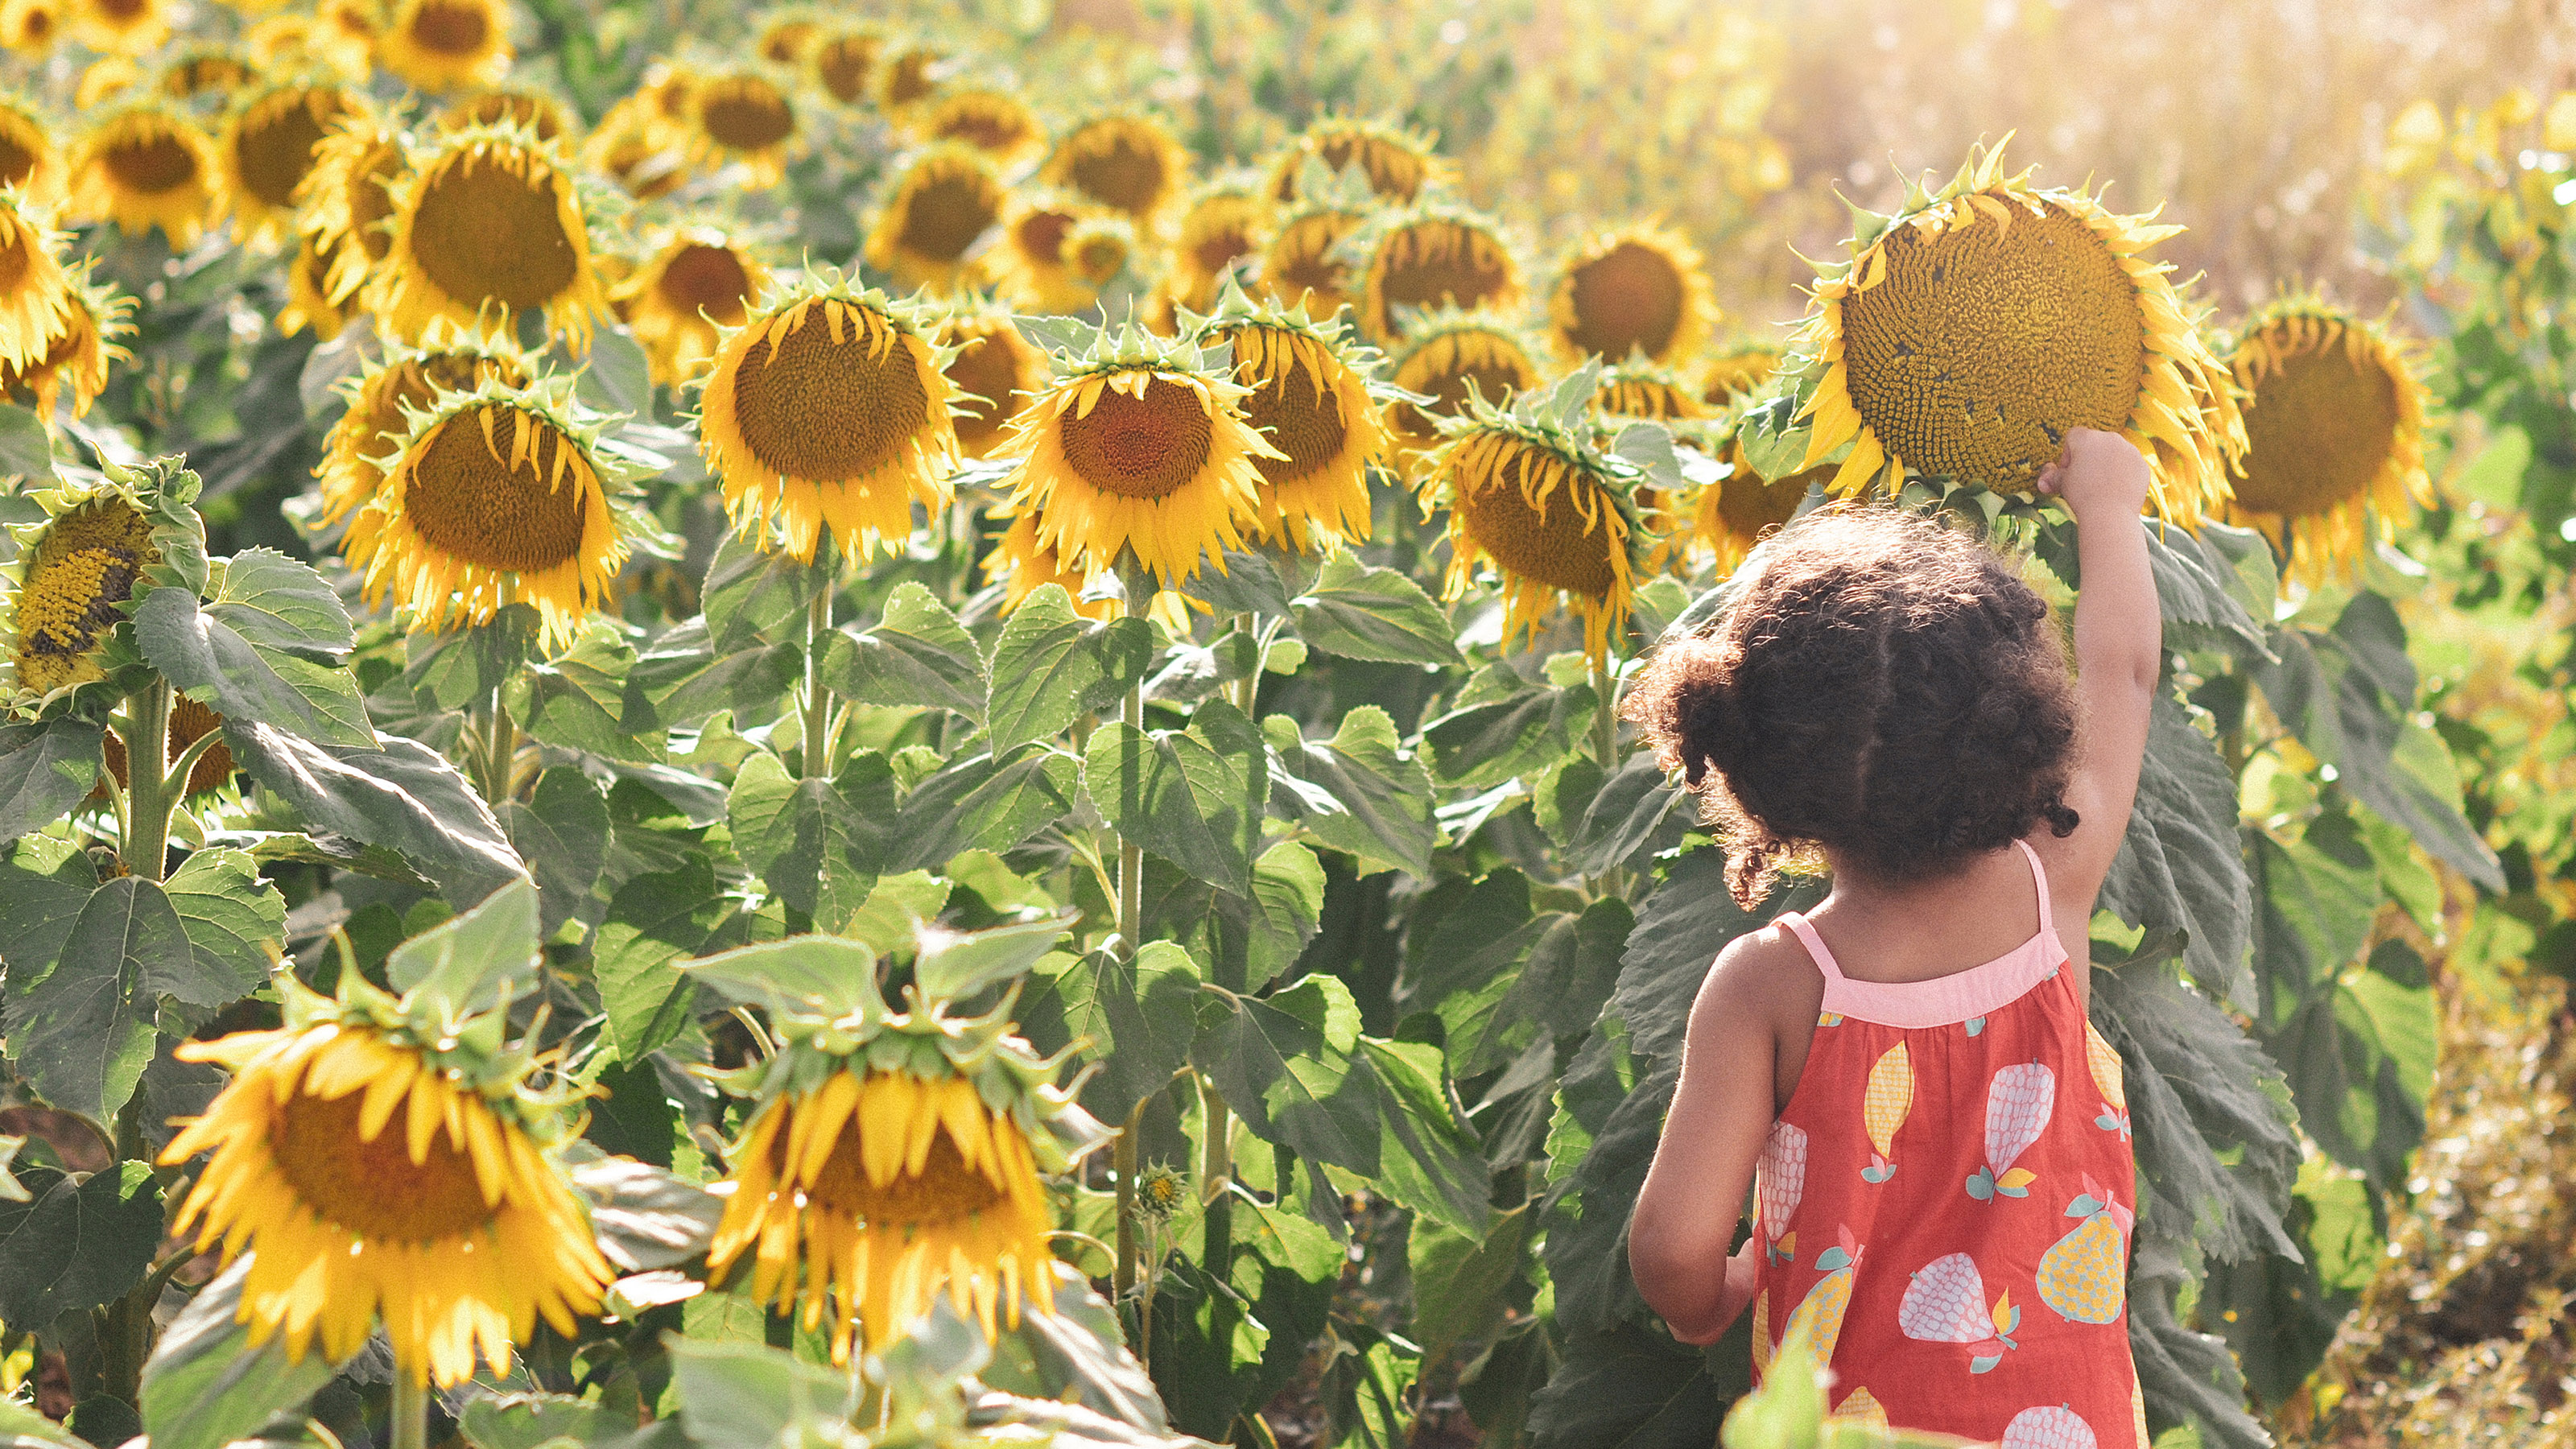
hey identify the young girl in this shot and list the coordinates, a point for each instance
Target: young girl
(1936, 1138)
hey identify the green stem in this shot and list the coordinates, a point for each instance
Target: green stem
(1122, 1162)
(1605, 715)
(411, 1412)
(500, 750)
(817, 724)
(149, 793)
(1216, 1171)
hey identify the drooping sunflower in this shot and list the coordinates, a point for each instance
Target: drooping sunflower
(1554, 517)
(500, 495)
(1136, 444)
(1126, 161)
(294, 41)
(1449, 357)
(828, 409)
(382, 400)
(1432, 256)
(992, 369)
(698, 279)
(121, 27)
(1640, 288)
(1964, 338)
(35, 287)
(75, 572)
(83, 344)
(890, 1158)
(941, 204)
(1223, 226)
(1022, 565)
(787, 35)
(29, 159)
(514, 105)
(639, 148)
(1303, 265)
(1098, 250)
(269, 145)
(345, 207)
(445, 45)
(145, 165)
(381, 1161)
(1027, 261)
(1657, 394)
(1397, 162)
(1306, 390)
(1733, 514)
(490, 221)
(912, 74)
(745, 116)
(30, 27)
(1734, 373)
(2334, 426)
(989, 118)
(844, 60)
(308, 293)
(215, 71)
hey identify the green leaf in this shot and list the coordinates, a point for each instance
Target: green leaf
(2360, 1057)
(1194, 797)
(889, 920)
(750, 1396)
(615, 377)
(1051, 665)
(1377, 1375)
(644, 1217)
(205, 1386)
(22, 1427)
(2315, 897)
(246, 653)
(1632, 1387)
(83, 1031)
(1251, 581)
(751, 597)
(582, 701)
(2195, 592)
(26, 446)
(1635, 815)
(42, 890)
(536, 1421)
(953, 965)
(401, 795)
(561, 831)
(683, 677)
(1384, 793)
(232, 919)
(1361, 612)
(76, 1245)
(817, 843)
(2181, 865)
(468, 963)
(1502, 727)
(1460, 1281)
(45, 770)
(1135, 1017)
(1256, 938)
(983, 803)
(825, 975)
(916, 655)
(1078, 1354)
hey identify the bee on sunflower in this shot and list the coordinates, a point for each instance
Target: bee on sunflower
(992, 369)
(1398, 162)
(2334, 427)
(1027, 262)
(941, 204)
(1640, 288)
(991, 118)
(145, 165)
(490, 222)
(29, 160)
(696, 279)
(270, 144)
(891, 1156)
(345, 205)
(745, 116)
(1429, 256)
(121, 27)
(828, 409)
(1306, 389)
(71, 583)
(843, 60)
(393, 1159)
(446, 45)
(82, 347)
(522, 106)
(384, 397)
(1224, 225)
(1736, 372)
(1980, 322)
(1445, 358)
(30, 27)
(1125, 161)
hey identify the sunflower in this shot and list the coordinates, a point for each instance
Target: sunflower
(843, 61)
(1129, 163)
(1306, 390)
(1022, 565)
(30, 27)
(2334, 426)
(1427, 257)
(345, 33)
(1027, 261)
(345, 207)
(499, 495)
(84, 342)
(745, 116)
(208, 70)
(513, 105)
(490, 221)
(890, 1157)
(1735, 373)
(1138, 445)
(34, 286)
(1397, 162)
(1302, 266)
(445, 45)
(639, 148)
(1638, 289)
(121, 27)
(379, 1160)
(912, 75)
(992, 371)
(1733, 514)
(308, 293)
(1964, 338)
(1449, 357)
(1223, 224)
(1553, 516)
(29, 160)
(295, 41)
(74, 573)
(145, 165)
(828, 409)
(1657, 394)
(990, 119)
(1098, 250)
(189, 723)
(698, 280)
(382, 400)
(105, 79)
(942, 202)
(786, 36)
(270, 145)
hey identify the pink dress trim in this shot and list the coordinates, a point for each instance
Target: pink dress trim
(1960, 996)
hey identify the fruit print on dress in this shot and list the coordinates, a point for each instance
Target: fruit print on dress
(1863, 1408)
(1761, 1334)
(2056, 1427)
(2085, 1276)
(1779, 1181)
(1818, 1319)
(1946, 1303)
(2109, 1080)
(1889, 1097)
(2018, 1105)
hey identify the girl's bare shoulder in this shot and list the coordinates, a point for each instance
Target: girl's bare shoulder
(1763, 975)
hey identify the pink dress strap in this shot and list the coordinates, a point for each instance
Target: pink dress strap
(1966, 995)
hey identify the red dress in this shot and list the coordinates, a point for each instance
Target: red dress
(1945, 1205)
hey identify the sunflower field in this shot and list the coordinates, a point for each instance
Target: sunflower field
(900, 725)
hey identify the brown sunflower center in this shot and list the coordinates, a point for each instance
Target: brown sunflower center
(199, 74)
(946, 211)
(1100, 256)
(1628, 298)
(986, 368)
(1393, 172)
(1551, 544)
(943, 1191)
(151, 164)
(468, 502)
(123, 12)
(1732, 377)
(1040, 235)
(450, 29)
(1140, 447)
(2318, 430)
(1750, 506)
(374, 1189)
(17, 158)
(1301, 260)
(1216, 250)
(1120, 170)
(747, 115)
(1444, 264)
(275, 147)
(1978, 349)
(700, 277)
(371, 199)
(1644, 397)
(1301, 417)
(908, 79)
(1493, 373)
(982, 123)
(37, 26)
(781, 43)
(514, 107)
(810, 407)
(484, 232)
(66, 608)
(844, 63)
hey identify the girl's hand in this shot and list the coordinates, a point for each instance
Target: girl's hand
(2099, 474)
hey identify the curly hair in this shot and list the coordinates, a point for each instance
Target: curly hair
(1882, 688)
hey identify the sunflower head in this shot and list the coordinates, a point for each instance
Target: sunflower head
(189, 723)
(78, 569)
(1397, 162)
(35, 287)
(1984, 320)
(1304, 264)
(293, 40)
(490, 222)
(1735, 373)
(270, 144)
(1099, 249)
(912, 73)
(30, 27)
(1128, 162)
(1449, 357)
(891, 1156)
(81, 347)
(844, 59)
(308, 293)
(1306, 390)
(991, 118)
(993, 370)
(1640, 289)
(499, 495)
(522, 106)
(642, 150)
(384, 398)
(698, 279)
(1422, 258)
(1224, 224)
(1733, 513)
(393, 1157)
(215, 71)
(29, 160)
(828, 409)
(145, 165)
(1139, 444)
(941, 203)
(344, 35)
(121, 27)
(2334, 426)
(746, 115)
(1027, 262)
(345, 207)
(787, 36)
(1552, 516)
(1643, 390)
(446, 45)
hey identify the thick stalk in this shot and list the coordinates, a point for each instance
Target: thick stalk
(1131, 930)
(1605, 715)
(1122, 1162)
(1216, 1173)
(500, 750)
(150, 794)
(411, 1412)
(817, 723)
